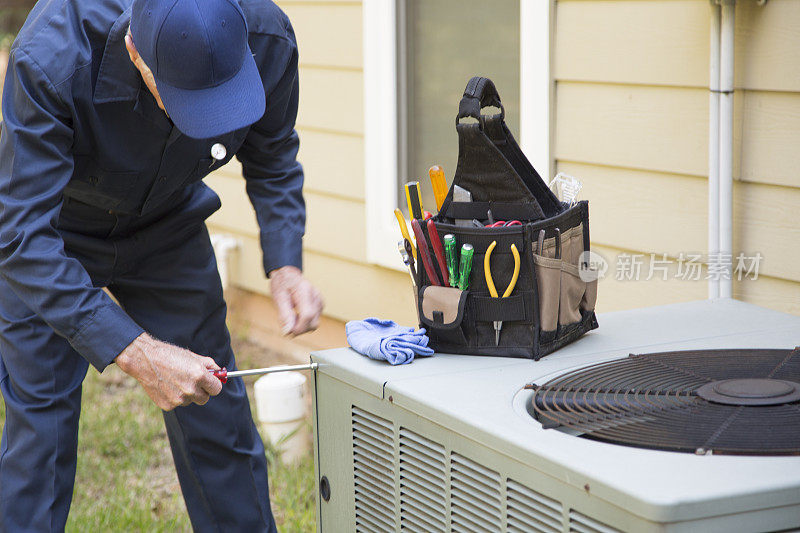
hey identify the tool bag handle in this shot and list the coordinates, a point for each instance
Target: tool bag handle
(491, 166)
(479, 93)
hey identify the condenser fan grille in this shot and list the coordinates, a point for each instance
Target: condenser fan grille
(704, 401)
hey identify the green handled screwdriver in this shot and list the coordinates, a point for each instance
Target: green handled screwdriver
(452, 258)
(465, 267)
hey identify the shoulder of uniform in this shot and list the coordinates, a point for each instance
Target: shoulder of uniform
(59, 35)
(266, 18)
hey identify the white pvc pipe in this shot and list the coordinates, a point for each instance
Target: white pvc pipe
(224, 246)
(728, 26)
(713, 144)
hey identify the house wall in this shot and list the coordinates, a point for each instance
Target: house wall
(632, 121)
(631, 112)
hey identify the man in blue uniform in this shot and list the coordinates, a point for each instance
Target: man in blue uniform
(112, 115)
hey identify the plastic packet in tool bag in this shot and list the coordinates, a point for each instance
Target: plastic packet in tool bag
(525, 294)
(566, 188)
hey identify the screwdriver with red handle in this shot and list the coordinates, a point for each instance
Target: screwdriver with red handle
(438, 251)
(424, 254)
(223, 373)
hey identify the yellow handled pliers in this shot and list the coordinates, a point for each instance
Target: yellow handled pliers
(487, 272)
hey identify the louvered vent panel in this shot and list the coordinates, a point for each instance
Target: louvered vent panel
(528, 510)
(423, 483)
(580, 523)
(373, 471)
(475, 501)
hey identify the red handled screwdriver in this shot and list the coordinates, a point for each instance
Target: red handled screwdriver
(223, 373)
(424, 254)
(438, 251)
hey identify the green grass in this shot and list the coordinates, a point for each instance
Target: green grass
(126, 480)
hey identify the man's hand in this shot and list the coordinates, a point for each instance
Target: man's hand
(170, 375)
(299, 303)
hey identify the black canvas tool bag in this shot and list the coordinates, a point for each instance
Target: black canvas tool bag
(551, 304)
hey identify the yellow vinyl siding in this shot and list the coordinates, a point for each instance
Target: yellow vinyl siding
(654, 42)
(334, 226)
(666, 213)
(653, 211)
(665, 129)
(631, 116)
(770, 136)
(768, 291)
(331, 100)
(774, 293)
(768, 46)
(666, 42)
(355, 290)
(623, 294)
(633, 126)
(327, 34)
(332, 163)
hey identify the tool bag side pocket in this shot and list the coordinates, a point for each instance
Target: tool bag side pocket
(548, 282)
(572, 292)
(441, 313)
(590, 296)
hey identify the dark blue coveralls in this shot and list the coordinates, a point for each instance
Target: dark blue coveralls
(98, 189)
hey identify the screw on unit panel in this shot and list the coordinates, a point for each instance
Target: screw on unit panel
(586, 487)
(325, 488)
(391, 399)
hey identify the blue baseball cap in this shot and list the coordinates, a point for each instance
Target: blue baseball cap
(203, 67)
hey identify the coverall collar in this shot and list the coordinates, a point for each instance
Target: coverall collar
(117, 80)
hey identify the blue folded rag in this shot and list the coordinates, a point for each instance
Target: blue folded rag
(385, 340)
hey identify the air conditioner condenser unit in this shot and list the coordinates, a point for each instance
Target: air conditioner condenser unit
(458, 443)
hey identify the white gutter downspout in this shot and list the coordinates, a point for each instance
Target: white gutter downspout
(713, 144)
(726, 146)
(720, 150)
